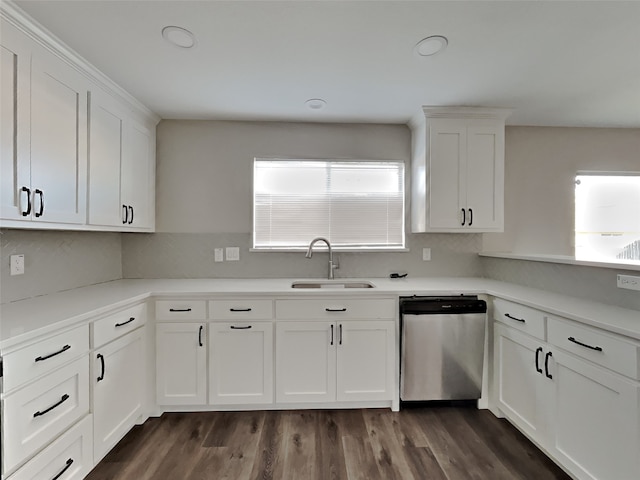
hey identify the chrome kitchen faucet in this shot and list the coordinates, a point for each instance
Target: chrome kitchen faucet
(332, 267)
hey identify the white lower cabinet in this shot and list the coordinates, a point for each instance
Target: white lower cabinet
(241, 363)
(70, 457)
(334, 361)
(181, 363)
(118, 393)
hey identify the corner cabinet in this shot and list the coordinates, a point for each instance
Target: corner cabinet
(457, 169)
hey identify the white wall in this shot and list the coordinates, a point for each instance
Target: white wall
(540, 166)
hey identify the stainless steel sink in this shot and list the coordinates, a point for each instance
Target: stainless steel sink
(332, 284)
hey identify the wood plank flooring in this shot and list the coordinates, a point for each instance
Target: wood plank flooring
(432, 443)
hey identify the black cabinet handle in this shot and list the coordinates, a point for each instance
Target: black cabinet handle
(546, 365)
(331, 334)
(101, 377)
(522, 320)
(596, 348)
(45, 357)
(239, 309)
(538, 369)
(179, 309)
(233, 327)
(28, 192)
(470, 217)
(66, 467)
(464, 216)
(125, 218)
(200, 335)
(131, 218)
(336, 309)
(340, 333)
(124, 323)
(63, 399)
(37, 191)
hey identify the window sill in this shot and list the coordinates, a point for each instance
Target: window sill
(324, 250)
(563, 259)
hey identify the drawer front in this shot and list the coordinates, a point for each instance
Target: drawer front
(337, 308)
(241, 309)
(70, 457)
(518, 316)
(44, 356)
(594, 345)
(38, 413)
(116, 325)
(181, 310)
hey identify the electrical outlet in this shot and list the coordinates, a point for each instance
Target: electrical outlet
(17, 264)
(218, 255)
(629, 282)
(233, 254)
(426, 254)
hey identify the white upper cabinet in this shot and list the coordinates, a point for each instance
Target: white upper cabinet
(457, 170)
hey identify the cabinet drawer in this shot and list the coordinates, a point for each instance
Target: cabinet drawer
(116, 325)
(38, 413)
(44, 356)
(595, 345)
(181, 310)
(518, 316)
(70, 456)
(336, 308)
(241, 309)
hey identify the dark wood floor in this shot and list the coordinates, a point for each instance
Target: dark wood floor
(443, 443)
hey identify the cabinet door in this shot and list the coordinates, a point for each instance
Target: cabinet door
(596, 427)
(118, 379)
(138, 174)
(485, 178)
(58, 140)
(181, 363)
(446, 177)
(241, 363)
(105, 158)
(15, 56)
(519, 379)
(365, 360)
(306, 362)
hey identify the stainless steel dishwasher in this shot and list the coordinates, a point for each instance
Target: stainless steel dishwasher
(442, 347)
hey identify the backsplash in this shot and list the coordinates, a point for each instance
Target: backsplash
(592, 283)
(191, 255)
(56, 261)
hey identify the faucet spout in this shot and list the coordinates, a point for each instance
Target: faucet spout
(309, 254)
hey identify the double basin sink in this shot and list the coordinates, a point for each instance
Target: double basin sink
(331, 284)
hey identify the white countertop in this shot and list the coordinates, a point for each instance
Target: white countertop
(28, 319)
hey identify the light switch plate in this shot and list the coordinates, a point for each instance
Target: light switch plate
(426, 254)
(233, 254)
(17, 264)
(218, 255)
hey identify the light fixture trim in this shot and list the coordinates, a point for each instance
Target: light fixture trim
(178, 36)
(315, 103)
(432, 45)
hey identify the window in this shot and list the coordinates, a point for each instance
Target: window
(355, 204)
(608, 217)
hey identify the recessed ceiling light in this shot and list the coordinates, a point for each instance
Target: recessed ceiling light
(315, 103)
(178, 36)
(430, 46)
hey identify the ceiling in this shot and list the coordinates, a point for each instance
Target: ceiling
(554, 62)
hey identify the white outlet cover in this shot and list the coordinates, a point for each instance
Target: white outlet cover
(218, 255)
(426, 254)
(628, 282)
(17, 264)
(232, 254)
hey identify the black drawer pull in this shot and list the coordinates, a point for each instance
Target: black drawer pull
(125, 218)
(101, 377)
(124, 323)
(233, 327)
(515, 318)
(538, 369)
(464, 216)
(41, 194)
(45, 357)
(336, 309)
(239, 309)
(28, 192)
(200, 336)
(340, 341)
(179, 309)
(332, 334)
(470, 217)
(63, 399)
(130, 219)
(66, 467)
(596, 348)
(546, 365)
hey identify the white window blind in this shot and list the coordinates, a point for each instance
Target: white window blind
(355, 204)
